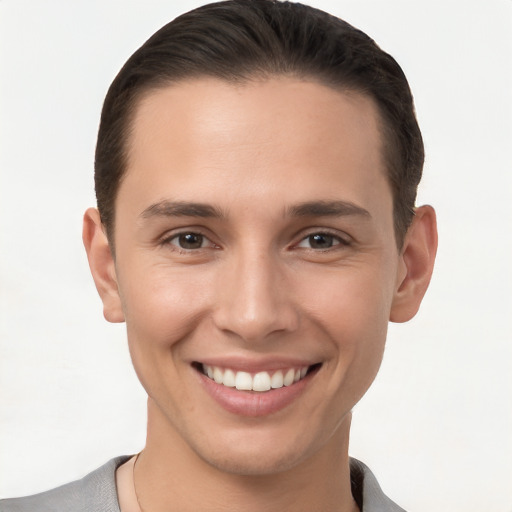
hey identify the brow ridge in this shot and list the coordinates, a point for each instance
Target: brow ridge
(334, 208)
(180, 209)
(321, 208)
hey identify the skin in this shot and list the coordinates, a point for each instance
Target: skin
(257, 289)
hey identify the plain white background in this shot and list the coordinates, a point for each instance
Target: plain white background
(436, 426)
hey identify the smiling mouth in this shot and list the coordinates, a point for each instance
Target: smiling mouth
(259, 382)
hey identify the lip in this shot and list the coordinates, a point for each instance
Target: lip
(257, 365)
(253, 403)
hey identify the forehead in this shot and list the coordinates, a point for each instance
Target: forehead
(281, 136)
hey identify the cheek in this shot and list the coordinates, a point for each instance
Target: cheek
(162, 307)
(161, 311)
(352, 309)
(349, 299)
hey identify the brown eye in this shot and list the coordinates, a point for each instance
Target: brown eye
(189, 241)
(319, 241)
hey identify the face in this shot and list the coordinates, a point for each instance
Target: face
(256, 266)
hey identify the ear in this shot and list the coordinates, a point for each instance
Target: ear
(102, 265)
(416, 265)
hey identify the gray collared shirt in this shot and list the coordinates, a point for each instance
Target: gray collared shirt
(97, 493)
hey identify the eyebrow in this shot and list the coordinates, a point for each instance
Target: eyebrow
(327, 209)
(307, 209)
(181, 209)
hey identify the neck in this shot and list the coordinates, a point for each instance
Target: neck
(170, 476)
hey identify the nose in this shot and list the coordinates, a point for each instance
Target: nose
(255, 298)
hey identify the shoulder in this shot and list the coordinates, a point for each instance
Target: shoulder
(367, 491)
(96, 492)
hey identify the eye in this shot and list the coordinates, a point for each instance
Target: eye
(189, 241)
(321, 241)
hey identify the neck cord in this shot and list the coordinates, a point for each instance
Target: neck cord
(133, 478)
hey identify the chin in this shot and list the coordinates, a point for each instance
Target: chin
(257, 451)
(253, 462)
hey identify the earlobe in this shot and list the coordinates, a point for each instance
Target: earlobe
(102, 265)
(417, 262)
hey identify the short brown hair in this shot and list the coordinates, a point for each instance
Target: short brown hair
(239, 40)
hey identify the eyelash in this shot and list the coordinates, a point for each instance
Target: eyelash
(335, 239)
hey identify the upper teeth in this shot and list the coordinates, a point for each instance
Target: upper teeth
(261, 381)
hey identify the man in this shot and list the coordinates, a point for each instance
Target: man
(256, 172)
